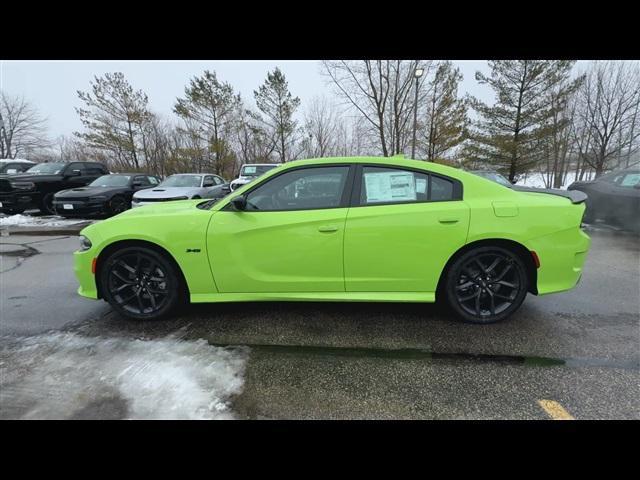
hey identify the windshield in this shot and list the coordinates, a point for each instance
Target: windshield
(182, 181)
(255, 170)
(111, 181)
(47, 168)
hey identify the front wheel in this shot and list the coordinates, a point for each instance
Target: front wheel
(486, 285)
(140, 283)
(117, 205)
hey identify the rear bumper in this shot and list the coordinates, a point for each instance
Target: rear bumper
(562, 256)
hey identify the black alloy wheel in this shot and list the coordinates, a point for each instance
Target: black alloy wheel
(140, 283)
(117, 205)
(486, 285)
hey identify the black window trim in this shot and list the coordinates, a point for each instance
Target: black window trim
(344, 200)
(456, 194)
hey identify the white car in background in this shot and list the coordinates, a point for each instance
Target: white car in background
(250, 171)
(182, 186)
(11, 166)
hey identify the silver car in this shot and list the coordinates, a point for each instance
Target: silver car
(182, 186)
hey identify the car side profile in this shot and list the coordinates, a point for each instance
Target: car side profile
(181, 186)
(342, 229)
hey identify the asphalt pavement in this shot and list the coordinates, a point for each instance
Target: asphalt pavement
(569, 355)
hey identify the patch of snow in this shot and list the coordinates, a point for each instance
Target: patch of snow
(536, 180)
(54, 376)
(20, 220)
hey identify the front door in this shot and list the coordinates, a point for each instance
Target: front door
(288, 239)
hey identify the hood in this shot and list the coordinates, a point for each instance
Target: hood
(34, 177)
(83, 192)
(167, 192)
(162, 208)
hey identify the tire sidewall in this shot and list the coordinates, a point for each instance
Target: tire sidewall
(175, 287)
(454, 272)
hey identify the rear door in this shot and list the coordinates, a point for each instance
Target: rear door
(402, 228)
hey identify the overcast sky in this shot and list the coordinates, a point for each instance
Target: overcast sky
(52, 85)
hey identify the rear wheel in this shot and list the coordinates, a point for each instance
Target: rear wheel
(140, 283)
(486, 284)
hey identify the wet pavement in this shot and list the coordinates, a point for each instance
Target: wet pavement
(580, 349)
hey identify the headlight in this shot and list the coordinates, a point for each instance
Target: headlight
(22, 185)
(85, 243)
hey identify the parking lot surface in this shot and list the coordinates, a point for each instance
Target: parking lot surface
(574, 354)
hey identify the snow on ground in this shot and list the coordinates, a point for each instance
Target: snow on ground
(537, 180)
(44, 221)
(56, 376)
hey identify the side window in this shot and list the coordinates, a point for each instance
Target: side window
(301, 189)
(95, 170)
(209, 179)
(76, 166)
(144, 181)
(630, 180)
(153, 180)
(218, 180)
(441, 189)
(392, 185)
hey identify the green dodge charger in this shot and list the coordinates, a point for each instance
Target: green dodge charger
(356, 229)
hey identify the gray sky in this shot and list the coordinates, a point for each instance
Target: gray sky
(51, 85)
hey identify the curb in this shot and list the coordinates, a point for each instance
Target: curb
(44, 231)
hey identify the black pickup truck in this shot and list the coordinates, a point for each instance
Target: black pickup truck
(35, 187)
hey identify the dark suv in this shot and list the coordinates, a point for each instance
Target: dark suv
(35, 187)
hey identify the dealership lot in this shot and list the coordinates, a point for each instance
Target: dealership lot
(575, 353)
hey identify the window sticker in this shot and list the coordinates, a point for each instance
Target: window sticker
(421, 185)
(249, 169)
(390, 187)
(630, 180)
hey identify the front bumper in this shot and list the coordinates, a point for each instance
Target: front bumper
(17, 201)
(82, 268)
(72, 208)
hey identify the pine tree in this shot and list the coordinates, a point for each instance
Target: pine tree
(114, 118)
(446, 116)
(509, 133)
(278, 106)
(209, 106)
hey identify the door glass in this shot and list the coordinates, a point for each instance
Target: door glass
(302, 189)
(441, 189)
(630, 180)
(391, 185)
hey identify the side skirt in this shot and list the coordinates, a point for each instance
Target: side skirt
(422, 297)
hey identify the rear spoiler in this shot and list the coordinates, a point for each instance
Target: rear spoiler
(575, 196)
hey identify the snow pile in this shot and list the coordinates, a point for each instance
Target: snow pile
(58, 375)
(44, 221)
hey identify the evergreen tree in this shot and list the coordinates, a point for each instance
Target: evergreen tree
(114, 118)
(209, 106)
(446, 118)
(278, 106)
(509, 133)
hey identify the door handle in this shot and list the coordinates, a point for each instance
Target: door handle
(448, 220)
(328, 229)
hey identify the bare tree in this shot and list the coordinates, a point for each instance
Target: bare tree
(24, 129)
(608, 113)
(321, 124)
(381, 91)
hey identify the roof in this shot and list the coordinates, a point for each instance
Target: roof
(15, 160)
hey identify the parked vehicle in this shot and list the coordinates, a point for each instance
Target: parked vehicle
(342, 229)
(250, 171)
(36, 187)
(11, 166)
(182, 186)
(108, 195)
(614, 198)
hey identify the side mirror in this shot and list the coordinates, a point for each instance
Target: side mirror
(73, 173)
(239, 203)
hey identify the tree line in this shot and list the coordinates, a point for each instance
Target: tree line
(544, 119)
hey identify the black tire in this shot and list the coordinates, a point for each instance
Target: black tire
(46, 205)
(117, 204)
(196, 197)
(473, 298)
(140, 284)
